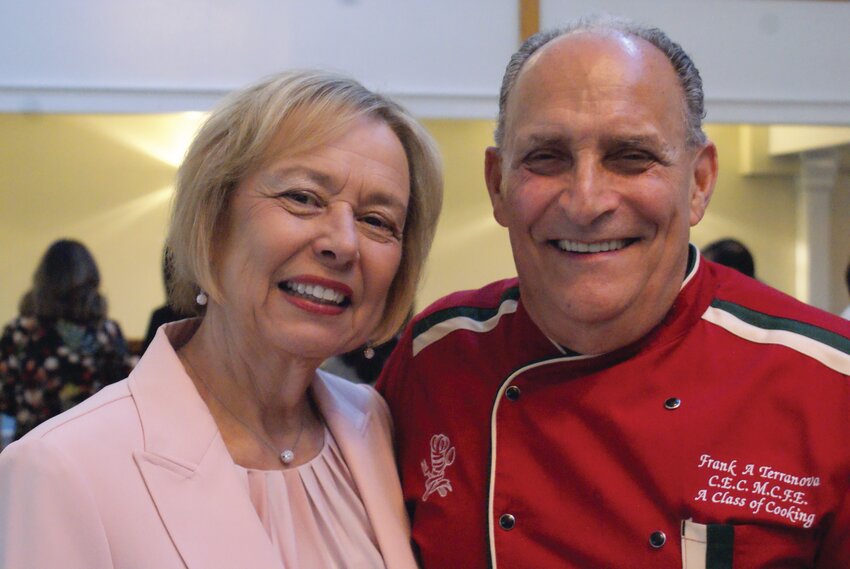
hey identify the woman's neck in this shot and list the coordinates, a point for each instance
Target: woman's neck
(257, 396)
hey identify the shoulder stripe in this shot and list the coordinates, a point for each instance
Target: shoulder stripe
(829, 348)
(438, 325)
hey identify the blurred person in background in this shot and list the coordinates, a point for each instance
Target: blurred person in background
(363, 365)
(303, 213)
(62, 348)
(731, 253)
(165, 313)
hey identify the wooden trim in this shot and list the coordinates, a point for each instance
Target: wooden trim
(529, 18)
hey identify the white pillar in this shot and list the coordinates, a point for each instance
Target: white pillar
(818, 174)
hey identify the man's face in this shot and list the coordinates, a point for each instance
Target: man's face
(598, 188)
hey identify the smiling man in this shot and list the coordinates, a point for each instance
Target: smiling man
(623, 402)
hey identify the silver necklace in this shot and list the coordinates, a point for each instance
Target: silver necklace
(286, 455)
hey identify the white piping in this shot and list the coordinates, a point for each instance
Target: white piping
(827, 355)
(491, 527)
(443, 329)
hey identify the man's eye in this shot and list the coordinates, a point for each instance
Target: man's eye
(632, 161)
(634, 156)
(545, 162)
(541, 156)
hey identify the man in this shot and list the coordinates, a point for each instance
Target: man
(623, 404)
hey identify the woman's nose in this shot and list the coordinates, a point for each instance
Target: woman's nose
(337, 244)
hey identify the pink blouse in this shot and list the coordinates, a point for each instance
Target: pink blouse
(313, 513)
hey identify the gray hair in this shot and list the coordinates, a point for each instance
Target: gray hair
(684, 67)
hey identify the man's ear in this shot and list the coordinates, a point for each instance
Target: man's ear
(702, 183)
(493, 178)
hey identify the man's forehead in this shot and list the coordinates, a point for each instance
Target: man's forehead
(583, 43)
(598, 52)
(589, 67)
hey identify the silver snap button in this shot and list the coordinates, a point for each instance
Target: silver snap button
(657, 539)
(672, 403)
(513, 392)
(507, 522)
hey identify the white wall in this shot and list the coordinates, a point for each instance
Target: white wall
(446, 57)
(762, 60)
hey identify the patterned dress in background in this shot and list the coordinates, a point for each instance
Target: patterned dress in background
(47, 367)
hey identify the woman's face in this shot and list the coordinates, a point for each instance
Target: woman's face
(313, 244)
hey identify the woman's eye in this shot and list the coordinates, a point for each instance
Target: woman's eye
(380, 225)
(302, 198)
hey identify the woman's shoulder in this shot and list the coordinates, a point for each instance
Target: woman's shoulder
(109, 413)
(83, 453)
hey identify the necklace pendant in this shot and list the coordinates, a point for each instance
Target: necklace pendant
(287, 456)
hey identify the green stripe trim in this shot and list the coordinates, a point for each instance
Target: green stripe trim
(720, 544)
(767, 322)
(692, 259)
(473, 313)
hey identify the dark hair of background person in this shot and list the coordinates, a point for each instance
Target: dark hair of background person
(355, 366)
(165, 313)
(731, 253)
(65, 286)
(367, 370)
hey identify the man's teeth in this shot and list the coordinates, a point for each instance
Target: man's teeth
(316, 292)
(598, 247)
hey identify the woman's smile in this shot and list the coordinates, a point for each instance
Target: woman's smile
(318, 295)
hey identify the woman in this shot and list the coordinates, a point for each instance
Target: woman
(62, 348)
(302, 216)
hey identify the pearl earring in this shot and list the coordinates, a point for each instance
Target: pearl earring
(202, 298)
(369, 351)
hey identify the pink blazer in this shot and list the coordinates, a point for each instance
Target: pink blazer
(137, 476)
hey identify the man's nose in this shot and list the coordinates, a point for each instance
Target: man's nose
(338, 243)
(588, 194)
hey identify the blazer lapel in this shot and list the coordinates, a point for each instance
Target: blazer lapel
(191, 477)
(365, 443)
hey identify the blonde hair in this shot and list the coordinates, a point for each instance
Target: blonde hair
(291, 113)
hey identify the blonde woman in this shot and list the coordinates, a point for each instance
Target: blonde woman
(303, 213)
